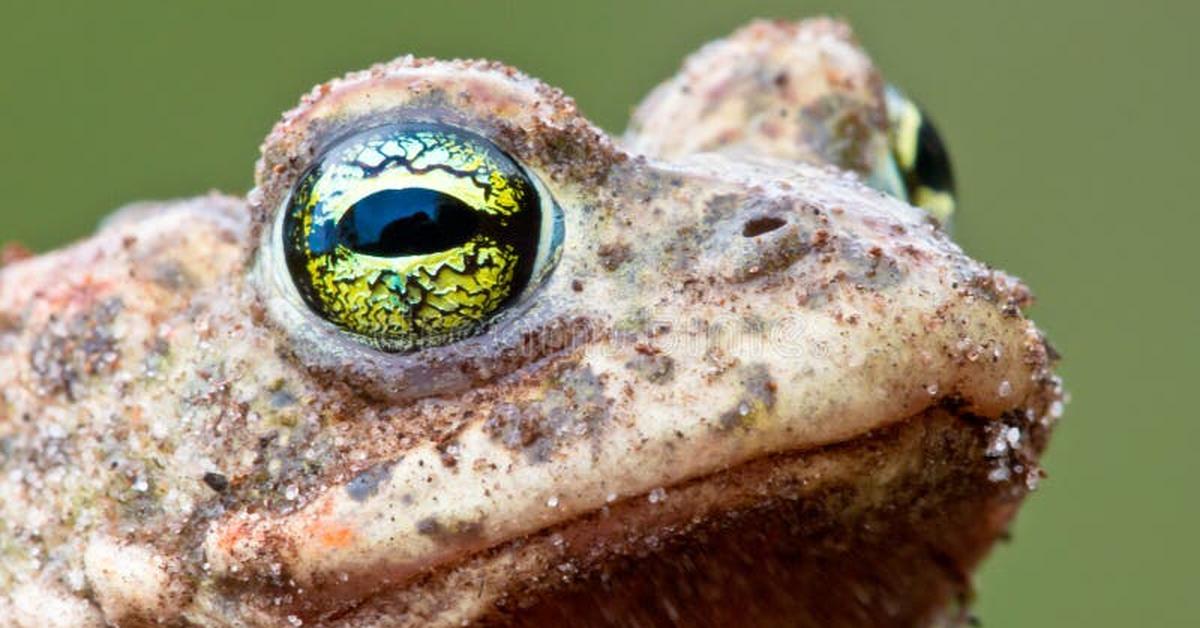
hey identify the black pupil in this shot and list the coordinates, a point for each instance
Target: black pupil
(932, 167)
(412, 221)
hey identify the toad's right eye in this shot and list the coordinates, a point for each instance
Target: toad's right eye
(415, 235)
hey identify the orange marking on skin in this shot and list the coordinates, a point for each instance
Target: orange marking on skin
(232, 534)
(135, 414)
(325, 529)
(838, 78)
(334, 536)
(84, 293)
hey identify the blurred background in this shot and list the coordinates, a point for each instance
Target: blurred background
(1073, 126)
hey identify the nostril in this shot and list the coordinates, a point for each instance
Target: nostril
(763, 224)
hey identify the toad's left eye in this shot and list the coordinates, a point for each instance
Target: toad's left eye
(415, 235)
(920, 157)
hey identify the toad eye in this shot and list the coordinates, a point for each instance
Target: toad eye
(920, 157)
(415, 235)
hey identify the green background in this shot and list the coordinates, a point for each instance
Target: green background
(1073, 127)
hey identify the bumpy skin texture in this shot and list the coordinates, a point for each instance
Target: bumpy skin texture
(753, 388)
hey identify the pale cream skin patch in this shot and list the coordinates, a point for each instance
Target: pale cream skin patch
(749, 376)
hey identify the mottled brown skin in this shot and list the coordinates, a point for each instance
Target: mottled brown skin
(753, 389)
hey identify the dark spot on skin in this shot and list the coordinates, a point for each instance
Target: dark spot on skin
(365, 485)
(446, 453)
(654, 368)
(753, 324)
(687, 245)
(613, 255)
(730, 419)
(159, 347)
(509, 424)
(156, 356)
(760, 225)
(266, 440)
(282, 399)
(428, 526)
(10, 324)
(820, 239)
(869, 266)
(573, 407)
(720, 206)
(759, 384)
(456, 531)
(771, 255)
(66, 352)
(635, 323)
(840, 128)
(216, 482)
(758, 397)
(577, 285)
(171, 275)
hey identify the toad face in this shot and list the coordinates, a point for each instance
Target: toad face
(460, 357)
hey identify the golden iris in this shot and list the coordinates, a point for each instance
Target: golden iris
(414, 235)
